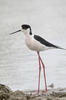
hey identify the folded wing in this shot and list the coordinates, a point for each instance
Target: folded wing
(46, 43)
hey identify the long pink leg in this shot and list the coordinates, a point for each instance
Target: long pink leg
(39, 73)
(44, 74)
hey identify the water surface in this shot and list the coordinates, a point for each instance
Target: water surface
(19, 65)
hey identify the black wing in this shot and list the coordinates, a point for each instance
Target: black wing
(44, 42)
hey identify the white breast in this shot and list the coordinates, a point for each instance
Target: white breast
(34, 44)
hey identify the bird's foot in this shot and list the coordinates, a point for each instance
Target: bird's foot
(45, 91)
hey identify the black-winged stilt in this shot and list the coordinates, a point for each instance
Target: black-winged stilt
(37, 43)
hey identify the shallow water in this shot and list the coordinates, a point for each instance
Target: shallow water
(19, 65)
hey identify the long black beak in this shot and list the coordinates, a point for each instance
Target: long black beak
(15, 32)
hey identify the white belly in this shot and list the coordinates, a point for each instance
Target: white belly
(34, 44)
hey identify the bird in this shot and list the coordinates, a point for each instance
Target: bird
(38, 44)
(51, 85)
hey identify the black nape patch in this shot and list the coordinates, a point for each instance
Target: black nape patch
(30, 32)
(44, 42)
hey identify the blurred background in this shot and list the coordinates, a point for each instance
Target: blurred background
(18, 65)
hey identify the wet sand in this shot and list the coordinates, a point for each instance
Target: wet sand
(53, 94)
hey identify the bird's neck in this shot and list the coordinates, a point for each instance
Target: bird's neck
(27, 35)
(28, 32)
(28, 38)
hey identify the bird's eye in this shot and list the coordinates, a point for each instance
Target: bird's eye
(25, 27)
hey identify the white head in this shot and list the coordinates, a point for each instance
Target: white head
(26, 29)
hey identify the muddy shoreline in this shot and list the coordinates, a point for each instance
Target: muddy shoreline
(53, 94)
